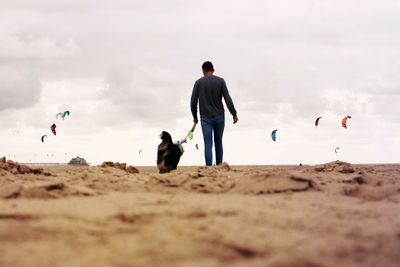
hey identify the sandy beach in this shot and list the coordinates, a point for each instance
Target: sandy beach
(334, 214)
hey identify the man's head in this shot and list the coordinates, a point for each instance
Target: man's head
(208, 68)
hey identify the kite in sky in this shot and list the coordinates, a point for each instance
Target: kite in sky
(317, 121)
(336, 149)
(62, 115)
(344, 120)
(273, 135)
(43, 138)
(65, 114)
(53, 128)
(59, 115)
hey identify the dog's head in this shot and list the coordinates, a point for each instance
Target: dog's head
(166, 137)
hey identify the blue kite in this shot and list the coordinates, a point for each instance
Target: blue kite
(273, 135)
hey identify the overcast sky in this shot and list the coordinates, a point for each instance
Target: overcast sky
(125, 70)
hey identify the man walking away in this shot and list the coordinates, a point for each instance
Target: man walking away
(208, 92)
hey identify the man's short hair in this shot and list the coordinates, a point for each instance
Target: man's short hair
(207, 66)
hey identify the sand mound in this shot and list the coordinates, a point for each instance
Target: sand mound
(363, 182)
(192, 182)
(16, 168)
(110, 178)
(56, 190)
(270, 183)
(48, 190)
(118, 165)
(223, 178)
(213, 179)
(10, 190)
(67, 181)
(335, 166)
(371, 193)
(371, 186)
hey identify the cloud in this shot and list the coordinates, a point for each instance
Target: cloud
(19, 89)
(35, 48)
(149, 94)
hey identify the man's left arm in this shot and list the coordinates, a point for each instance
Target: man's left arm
(229, 102)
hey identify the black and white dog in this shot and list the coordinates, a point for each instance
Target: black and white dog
(168, 154)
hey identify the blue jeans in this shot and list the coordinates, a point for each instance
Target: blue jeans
(209, 125)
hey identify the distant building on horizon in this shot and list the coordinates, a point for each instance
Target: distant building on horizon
(78, 162)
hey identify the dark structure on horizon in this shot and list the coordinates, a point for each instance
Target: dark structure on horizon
(78, 162)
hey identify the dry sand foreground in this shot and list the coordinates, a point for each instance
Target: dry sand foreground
(334, 214)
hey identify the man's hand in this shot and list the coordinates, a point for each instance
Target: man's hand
(235, 119)
(195, 120)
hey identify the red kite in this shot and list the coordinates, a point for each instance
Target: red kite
(344, 120)
(53, 128)
(316, 122)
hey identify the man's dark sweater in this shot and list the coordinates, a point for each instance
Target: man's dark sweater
(209, 91)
